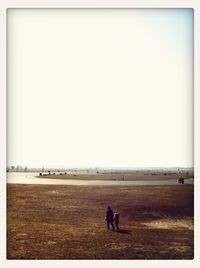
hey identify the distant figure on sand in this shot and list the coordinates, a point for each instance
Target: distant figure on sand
(181, 180)
(109, 218)
(116, 220)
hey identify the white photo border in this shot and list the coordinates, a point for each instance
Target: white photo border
(4, 5)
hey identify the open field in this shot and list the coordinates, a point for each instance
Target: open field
(109, 177)
(128, 176)
(67, 222)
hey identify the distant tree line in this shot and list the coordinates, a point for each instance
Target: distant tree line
(17, 168)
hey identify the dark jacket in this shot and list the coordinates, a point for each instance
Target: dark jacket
(109, 215)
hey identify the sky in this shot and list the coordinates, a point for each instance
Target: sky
(100, 88)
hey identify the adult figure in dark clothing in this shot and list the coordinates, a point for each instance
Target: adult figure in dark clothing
(109, 218)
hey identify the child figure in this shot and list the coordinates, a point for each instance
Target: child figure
(116, 220)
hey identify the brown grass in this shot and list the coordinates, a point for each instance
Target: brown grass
(67, 222)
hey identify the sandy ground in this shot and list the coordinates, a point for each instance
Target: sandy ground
(95, 179)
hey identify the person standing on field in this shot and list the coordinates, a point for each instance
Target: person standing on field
(116, 220)
(110, 218)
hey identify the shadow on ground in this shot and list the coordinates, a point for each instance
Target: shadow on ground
(123, 231)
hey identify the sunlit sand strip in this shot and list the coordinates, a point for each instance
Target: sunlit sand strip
(171, 224)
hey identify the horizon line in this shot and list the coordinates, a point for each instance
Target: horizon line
(97, 167)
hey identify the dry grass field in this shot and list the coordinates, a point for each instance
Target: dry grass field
(128, 176)
(67, 222)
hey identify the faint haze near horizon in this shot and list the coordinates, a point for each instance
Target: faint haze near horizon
(100, 88)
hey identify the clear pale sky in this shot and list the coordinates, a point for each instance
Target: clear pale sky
(106, 88)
